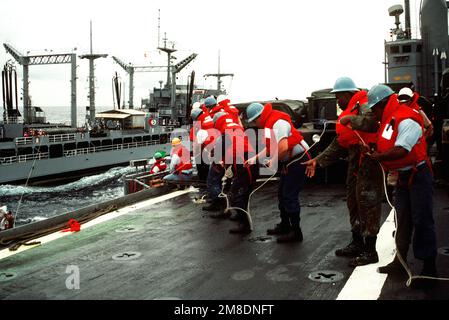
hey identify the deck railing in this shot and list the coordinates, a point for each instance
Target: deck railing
(20, 141)
(24, 141)
(62, 137)
(24, 158)
(75, 152)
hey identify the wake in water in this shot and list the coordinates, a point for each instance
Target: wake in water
(43, 202)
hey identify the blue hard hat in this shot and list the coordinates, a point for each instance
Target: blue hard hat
(344, 84)
(218, 115)
(195, 113)
(253, 111)
(377, 93)
(210, 102)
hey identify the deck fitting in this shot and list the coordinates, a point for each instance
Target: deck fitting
(263, 239)
(7, 275)
(326, 276)
(126, 256)
(126, 229)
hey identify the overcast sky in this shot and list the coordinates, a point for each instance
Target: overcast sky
(284, 49)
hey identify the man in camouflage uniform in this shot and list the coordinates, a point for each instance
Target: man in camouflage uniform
(364, 176)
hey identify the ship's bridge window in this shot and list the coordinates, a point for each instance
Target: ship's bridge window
(407, 48)
(394, 49)
(401, 59)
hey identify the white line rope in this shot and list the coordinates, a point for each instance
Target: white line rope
(400, 258)
(26, 184)
(228, 174)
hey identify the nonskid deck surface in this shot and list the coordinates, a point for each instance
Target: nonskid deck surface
(394, 285)
(176, 251)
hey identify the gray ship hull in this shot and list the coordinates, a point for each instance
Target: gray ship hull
(46, 170)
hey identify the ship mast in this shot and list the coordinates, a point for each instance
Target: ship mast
(219, 75)
(91, 57)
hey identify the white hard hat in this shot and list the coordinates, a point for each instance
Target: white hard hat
(196, 105)
(201, 136)
(405, 94)
(221, 98)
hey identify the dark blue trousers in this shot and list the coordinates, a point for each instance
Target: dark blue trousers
(291, 182)
(414, 207)
(216, 172)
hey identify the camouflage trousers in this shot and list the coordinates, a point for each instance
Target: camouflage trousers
(364, 191)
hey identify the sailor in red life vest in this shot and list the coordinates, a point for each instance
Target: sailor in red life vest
(408, 97)
(401, 146)
(200, 136)
(225, 105)
(180, 164)
(6, 219)
(364, 184)
(284, 144)
(159, 165)
(216, 171)
(211, 104)
(231, 150)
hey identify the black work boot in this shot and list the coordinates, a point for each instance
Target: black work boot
(369, 254)
(352, 250)
(294, 235)
(243, 227)
(214, 205)
(429, 270)
(395, 267)
(280, 228)
(223, 214)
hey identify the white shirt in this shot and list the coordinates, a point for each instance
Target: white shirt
(282, 129)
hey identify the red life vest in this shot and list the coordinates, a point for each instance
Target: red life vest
(214, 110)
(393, 114)
(205, 122)
(233, 133)
(414, 104)
(226, 122)
(345, 135)
(184, 156)
(160, 164)
(231, 110)
(269, 117)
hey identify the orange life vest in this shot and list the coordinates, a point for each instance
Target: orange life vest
(393, 114)
(345, 135)
(269, 117)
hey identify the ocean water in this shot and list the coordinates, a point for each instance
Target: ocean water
(37, 203)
